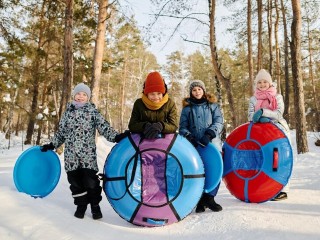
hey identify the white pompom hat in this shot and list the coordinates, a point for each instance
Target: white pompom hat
(263, 75)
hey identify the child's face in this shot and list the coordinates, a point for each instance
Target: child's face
(81, 97)
(155, 97)
(263, 85)
(197, 92)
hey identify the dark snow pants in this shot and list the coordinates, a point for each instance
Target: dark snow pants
(85, 186)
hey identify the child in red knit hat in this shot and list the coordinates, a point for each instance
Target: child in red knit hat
(154, 112)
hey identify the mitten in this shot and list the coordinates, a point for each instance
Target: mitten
(157, 127)
(256, 116)
(192, 140)
(153, 130)
(204, 141)
(121, 136)
(147, 128)
(210, 133)
(264, 120)
(152, 134)
(46, 147)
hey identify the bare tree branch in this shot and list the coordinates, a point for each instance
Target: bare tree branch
(187, 17)
(191, 41)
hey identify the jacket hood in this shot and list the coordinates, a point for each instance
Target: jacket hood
(210, 98)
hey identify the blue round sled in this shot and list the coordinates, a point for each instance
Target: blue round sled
(37, 173)
(153, 182)
(213, 166)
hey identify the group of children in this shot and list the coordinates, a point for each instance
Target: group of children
(201, 122)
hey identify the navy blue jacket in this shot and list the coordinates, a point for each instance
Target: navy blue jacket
(195, 118)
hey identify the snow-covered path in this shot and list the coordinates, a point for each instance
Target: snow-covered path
(298, 217)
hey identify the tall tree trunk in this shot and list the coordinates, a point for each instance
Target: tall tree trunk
(270, 36)
(259, 57)
(18, 124)
(122, 95)
(1, 117)
(44, 97)
(8, 129)
(34, 104)
(286, 113)
(295, 45)
(41, 121)
(108, 115)
(67, 57)
(276, 33)
(215, 62)
(316, 126)
(223, 135)
(249, 35)
(98, 51)
(35, 78)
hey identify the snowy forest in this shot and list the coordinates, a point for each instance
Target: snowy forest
(48, 46)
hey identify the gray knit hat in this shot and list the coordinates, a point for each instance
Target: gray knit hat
(81, 87)
(197, 83)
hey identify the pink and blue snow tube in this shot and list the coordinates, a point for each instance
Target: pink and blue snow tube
(257, 161)
(153, 182)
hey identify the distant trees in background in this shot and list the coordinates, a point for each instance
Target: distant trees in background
(271, 34)
(37, 73)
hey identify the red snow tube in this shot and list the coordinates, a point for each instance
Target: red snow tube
(257, 162)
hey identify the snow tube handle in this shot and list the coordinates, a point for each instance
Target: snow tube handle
(155, 221)
(275, 160)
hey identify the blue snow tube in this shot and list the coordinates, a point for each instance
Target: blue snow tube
(213, 166)
(153, 182)
(37, 173)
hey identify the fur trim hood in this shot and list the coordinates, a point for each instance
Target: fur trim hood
(210, 98)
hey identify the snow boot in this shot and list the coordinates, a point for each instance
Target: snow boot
(200, 207)
(280, 196)
(211, 204)
(81, 210)
(96, 212)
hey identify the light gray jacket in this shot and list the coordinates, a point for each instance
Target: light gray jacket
(275, 115)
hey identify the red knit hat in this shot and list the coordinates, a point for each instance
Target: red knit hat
(154, 83)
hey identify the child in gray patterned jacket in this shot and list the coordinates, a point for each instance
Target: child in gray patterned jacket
(266, 105)
(77, 130)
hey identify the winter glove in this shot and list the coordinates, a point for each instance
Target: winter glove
(264, 120)
(147, 128)
(157, 126)
(204, 141)
(47, 147)
(121, 136)
(210, 133)
(152, 130)
(256, 116)
(192, 140)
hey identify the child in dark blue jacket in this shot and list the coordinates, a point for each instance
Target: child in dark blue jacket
(201, 122)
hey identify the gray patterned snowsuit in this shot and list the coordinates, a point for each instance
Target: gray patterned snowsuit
(77, 130)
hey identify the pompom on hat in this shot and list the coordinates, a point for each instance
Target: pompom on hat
(263, 75)
(154, 83)
(197, 83)
(81, 87)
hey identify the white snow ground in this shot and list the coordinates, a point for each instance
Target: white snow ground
(298, 217)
